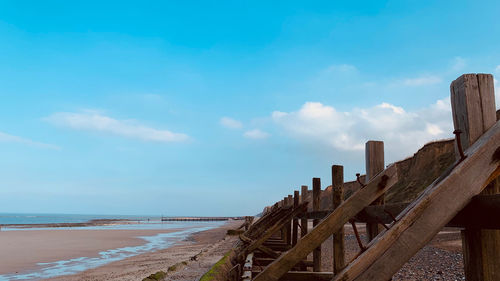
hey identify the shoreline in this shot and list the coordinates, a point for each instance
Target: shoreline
(48, 253)
(95, 222)
(206, 247)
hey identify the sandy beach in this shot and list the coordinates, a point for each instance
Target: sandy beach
(23, 249)
(208, 247)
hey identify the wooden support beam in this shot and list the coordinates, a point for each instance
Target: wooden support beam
(295, 223)
(331, 224)
(289, 224)
(278, 225)
(304, 276)
(374, 160)
(477, 214)
(266, 261)
(473, 106)
(316, 206)
(303, 221)
(430, 212)
(337, 199)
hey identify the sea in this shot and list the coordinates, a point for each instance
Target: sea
(13, 218)
(73, 266)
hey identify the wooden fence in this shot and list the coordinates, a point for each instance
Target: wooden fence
(466, 195)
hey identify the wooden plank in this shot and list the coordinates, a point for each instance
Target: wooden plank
(303, 221)
(474, 113)
(266, 261)
(270, 231)
(374, 160)
(295, 223)
(316, 183)
(477, 214)
(304, 276)
(331, 224)
(419, 222)
(337, 199)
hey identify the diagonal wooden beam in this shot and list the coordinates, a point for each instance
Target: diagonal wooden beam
(331, 224)
(423, 219)
(277, 226)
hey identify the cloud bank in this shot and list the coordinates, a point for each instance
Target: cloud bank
(402, 131)
(96, 122)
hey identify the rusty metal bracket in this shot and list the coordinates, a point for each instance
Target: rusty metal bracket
(359, 181)
(356, 233)
(457, 133)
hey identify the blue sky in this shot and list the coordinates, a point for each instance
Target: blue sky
(223, 107)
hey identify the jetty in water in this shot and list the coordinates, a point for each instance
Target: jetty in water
(201, 218)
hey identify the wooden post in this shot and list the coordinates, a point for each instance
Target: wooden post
(289, 224)
(473, 105)
(374, 160)
(338, 237)
(303, 222)
(316, 182)
(283, 230)
(295, 226)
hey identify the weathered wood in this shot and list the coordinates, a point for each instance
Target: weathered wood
(337, 199)
(316, 183)
(266, 261)
(430, 212)
(270, 231)
(331, 224)
(295, 223)
(374, 161)
(303, 221)
(284, 230)
(473, 100)
(289, 224)
(304, 276)
(477, 214)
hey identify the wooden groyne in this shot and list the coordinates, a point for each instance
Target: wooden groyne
(201, 218)
(280, 245)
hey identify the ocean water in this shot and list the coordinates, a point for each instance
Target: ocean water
(72, 266)
(13, 218)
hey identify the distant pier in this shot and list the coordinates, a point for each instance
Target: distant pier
(201, 218)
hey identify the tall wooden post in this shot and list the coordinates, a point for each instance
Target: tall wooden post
(316, 207)
(289, 224)
(374, 160)
(303, 222)
(283, 230)
(295, 225)
(337, 199)
(473, 105)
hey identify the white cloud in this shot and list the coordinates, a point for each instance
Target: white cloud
(94, 121)
(231, 123)
(422, 81)
(256, 134)
(402, 131)
(16, 139)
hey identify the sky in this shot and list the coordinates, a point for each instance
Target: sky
(220, 108)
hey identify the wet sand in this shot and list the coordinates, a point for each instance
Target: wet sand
(208, 247)
(23, 249)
